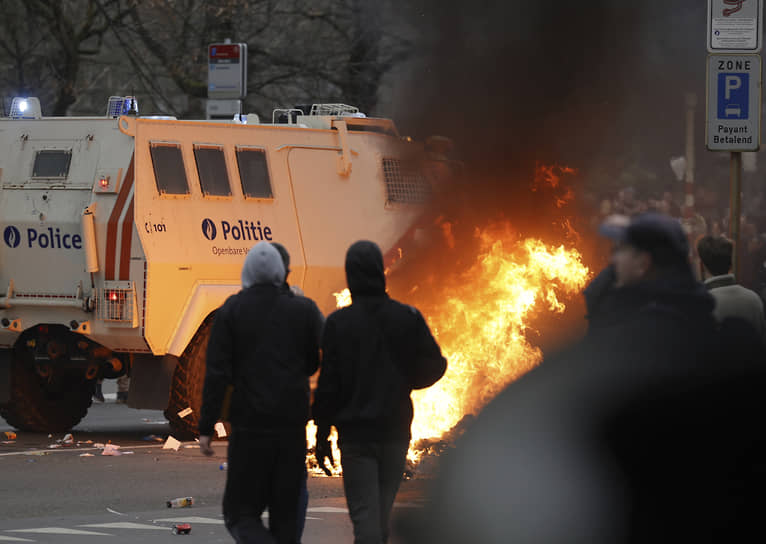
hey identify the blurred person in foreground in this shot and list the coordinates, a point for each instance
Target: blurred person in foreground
(731, 299)
(264, 342)
(651, 429)
(293, 291)
(374, 353)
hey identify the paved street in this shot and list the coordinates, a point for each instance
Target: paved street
(65, 495)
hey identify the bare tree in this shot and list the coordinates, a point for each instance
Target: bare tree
(46, 42)
(298, 50)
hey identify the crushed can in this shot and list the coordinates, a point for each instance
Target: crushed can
(181, 529)
(180, 502)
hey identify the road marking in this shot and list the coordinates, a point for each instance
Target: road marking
(124, 525)
(62, 450)
(14, 539)
(191, 519)
(328, 509)
(57, 531)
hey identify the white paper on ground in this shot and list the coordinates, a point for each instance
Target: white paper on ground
(171, 444)
(220, 430)
(111, 449)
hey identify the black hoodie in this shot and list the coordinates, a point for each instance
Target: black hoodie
(374, 353)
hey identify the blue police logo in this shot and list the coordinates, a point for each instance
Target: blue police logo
(12, 236)
(208, 229)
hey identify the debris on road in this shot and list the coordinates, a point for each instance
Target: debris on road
(182, 529)
(111, 449)
(68, 439)
(171, 444)
(185, 412)
(180, 502)
(153, 438)
(220, 430)
(9, 435)
(86, 455)
(223, 466)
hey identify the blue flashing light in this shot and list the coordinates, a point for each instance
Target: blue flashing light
(121, 105)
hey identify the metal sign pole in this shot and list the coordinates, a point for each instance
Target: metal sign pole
(735, 185)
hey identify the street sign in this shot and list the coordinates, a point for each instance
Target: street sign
(227, 71)
(733, 103)
(734, 26)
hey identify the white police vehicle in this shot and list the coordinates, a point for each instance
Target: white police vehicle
(123, 234)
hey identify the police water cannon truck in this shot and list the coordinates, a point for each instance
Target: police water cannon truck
(122, 235)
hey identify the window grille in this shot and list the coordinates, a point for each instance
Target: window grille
(52, 163)
(254, 172)
(169, 171)
(116, 303)
(405, 183)
(211, 168)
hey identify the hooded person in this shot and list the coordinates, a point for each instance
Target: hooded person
(374, 353)
(265, 345)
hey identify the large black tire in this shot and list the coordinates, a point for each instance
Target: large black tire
(35, 407)
(188, 381)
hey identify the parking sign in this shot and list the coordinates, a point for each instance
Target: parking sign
(734, 103)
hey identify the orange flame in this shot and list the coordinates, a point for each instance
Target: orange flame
(481, 323)
(550, 176)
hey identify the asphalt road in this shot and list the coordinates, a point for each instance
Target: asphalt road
(73, 493)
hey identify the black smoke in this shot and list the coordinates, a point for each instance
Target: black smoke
(590, 84)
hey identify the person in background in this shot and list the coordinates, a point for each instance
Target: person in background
(98, 391)
(123, 386)
(648, 430)
(264, 343)
(732, 300)
(374, 353)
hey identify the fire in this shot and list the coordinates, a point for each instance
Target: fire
(481, 323)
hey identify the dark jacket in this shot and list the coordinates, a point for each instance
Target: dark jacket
(374, 353)
(655, 307)
(650, 430)
(266, 343)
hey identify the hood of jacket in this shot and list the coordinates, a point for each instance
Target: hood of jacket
(364, 269)
(263, 265)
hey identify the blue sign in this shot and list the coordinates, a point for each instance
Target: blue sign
(733, 95)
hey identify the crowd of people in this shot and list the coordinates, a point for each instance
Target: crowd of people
(650, 429)
(709, 216)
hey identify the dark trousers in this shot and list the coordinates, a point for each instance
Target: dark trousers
(372, 472)
(265, 471)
